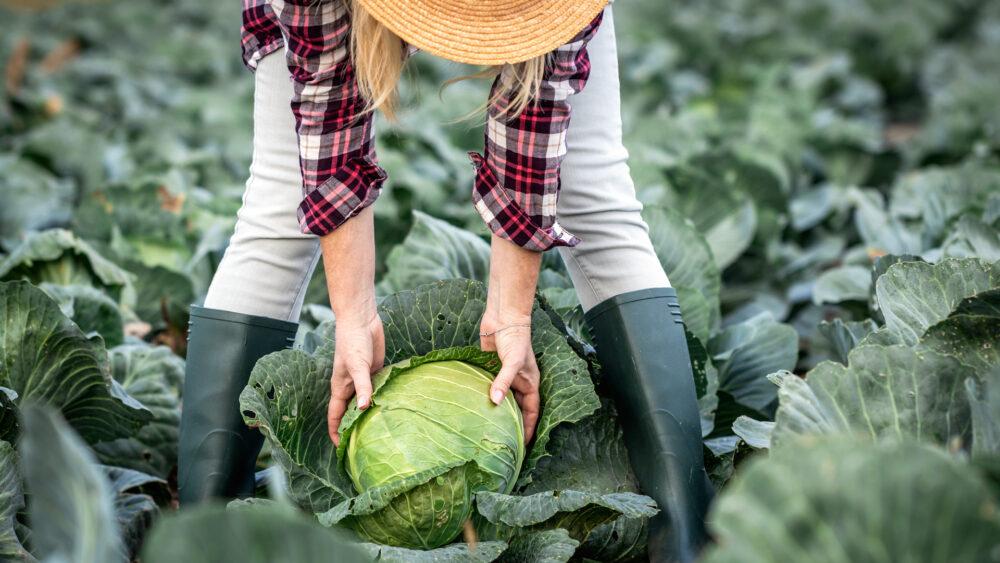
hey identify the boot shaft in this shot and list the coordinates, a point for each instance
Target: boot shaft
(642, 347)
(217, 453)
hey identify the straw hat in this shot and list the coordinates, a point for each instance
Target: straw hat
(485, 32)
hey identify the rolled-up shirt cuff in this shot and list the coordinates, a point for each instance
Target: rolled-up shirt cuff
(507, 219)
(351, 188)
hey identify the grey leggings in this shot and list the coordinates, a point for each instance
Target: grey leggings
(269, 262)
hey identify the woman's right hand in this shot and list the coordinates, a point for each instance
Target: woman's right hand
(359, 352)
(349, 264)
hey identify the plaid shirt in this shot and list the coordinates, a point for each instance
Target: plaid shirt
(517, 176)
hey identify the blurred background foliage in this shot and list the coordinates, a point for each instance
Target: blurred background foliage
(821, 180)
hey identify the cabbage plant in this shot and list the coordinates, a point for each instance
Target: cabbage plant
(432, 453)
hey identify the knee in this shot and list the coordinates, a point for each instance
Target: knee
(277, 251)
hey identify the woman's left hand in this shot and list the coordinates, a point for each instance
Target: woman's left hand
(510, 338)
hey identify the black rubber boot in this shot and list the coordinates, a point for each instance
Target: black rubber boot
(640, 343)
(217, 452)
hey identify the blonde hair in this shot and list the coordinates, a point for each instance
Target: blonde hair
(379, 54)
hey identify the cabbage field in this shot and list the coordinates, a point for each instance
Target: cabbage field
(821, 180)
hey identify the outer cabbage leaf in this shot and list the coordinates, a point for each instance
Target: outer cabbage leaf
(938, 195)
(882, 232)
(696, 312)
(262, 532)
(756, 433)
(844, 336)
(912, 296)
(33, 198)
(839, 501)
(60, 257)
(971, 333)
(754, 169)
(154, 376)
(71, 510)
(885, 392)
(250, 503)
(984, 402)
(576, 511)
(11, 502)
(685, 256)
(425, 510)
(986, 303)
(46, 358)
(135, 508)
(541, 546)
(483, 552)
(759, 172)
(973, 238)
(590, 457)
(90, 308)
(163, 296)
(746, 353)
(10, 425)
(435, 250)
(728, 219)
(844, 283)
(287, 398)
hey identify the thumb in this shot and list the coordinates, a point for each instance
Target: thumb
(501, 385)
(362, 383)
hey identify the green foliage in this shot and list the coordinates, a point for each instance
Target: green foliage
(46, 358)
(136, 496)
(60, 257)
(426, 328)
(11, 501)
(258, 534)
(915, 295)
(886, 392)
(434, 250)
(690, 266)
(840, 501)
(154, 376)
(63, 479)
(90, 308)
(822, 187)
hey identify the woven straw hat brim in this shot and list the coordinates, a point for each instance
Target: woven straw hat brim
(485, 32)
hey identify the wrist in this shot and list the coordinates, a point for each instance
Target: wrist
(499, 316)
(356, 314)
(512, 318)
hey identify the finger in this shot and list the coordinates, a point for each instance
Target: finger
(503, 382)
(528, 398)
(362, 378)
(530, 404)
(334, 413)
(378, 351)
(341, 391)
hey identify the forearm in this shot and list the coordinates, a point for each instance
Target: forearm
(513, 279)
(349, 263)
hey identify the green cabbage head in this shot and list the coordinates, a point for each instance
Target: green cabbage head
(430, 441)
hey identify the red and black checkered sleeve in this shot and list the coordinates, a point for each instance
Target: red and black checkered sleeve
(517, 178)
(340, 172)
